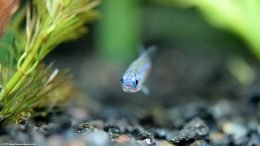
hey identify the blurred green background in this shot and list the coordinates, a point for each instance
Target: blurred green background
(125, 24)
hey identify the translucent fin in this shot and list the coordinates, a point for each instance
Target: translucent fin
(145, 90)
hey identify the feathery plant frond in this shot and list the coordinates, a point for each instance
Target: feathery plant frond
(37, 91)
(34, 31)
(48, 23)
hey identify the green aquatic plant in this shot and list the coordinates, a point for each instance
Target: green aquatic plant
(238, 16)
(37, 28)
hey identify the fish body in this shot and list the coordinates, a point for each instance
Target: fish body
(133, 79)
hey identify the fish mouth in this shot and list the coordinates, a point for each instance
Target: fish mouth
(129, 89)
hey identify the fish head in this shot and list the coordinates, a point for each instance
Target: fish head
(129, 83)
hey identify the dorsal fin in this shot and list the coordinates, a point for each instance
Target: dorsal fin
(150, 51)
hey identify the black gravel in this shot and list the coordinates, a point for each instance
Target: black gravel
(192, 124)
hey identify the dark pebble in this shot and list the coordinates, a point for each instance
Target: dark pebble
(148, 120)
(3, 131)
(195, 129)
(84, 128)
(254, 102)
(141, 134)
(23, 122)
(112, 129)
(59, 126)
(46, 117)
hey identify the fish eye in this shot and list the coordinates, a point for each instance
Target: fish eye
(136, 82)
(121, 80)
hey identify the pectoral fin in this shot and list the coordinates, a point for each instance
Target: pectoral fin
(145, 90)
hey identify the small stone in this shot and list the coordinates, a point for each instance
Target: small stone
(122, 139)
(199, 143)
(148, 141)
(218, 138)
(195, 129)
(222, 108)
(97, 138)
(165, 143)
(141, 134)
(235, 129)
(84, 128)
(198, 125)
(160, 134)
(112, 129)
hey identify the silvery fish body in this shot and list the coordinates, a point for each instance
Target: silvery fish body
(133, 79)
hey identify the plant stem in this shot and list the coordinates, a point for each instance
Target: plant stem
(16, 81)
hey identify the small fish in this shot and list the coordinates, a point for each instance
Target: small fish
(133, 79)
